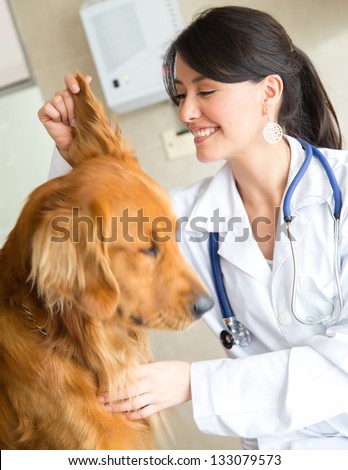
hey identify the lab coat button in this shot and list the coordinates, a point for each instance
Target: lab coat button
(284, 319)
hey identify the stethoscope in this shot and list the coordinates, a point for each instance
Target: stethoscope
(237, 333)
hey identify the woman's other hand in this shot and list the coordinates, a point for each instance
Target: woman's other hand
(160, 385)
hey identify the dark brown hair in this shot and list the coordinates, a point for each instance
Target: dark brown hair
(236, 44)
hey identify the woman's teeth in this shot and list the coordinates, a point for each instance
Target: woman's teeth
(204, 132)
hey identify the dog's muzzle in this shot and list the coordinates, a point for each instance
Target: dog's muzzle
(202, 304)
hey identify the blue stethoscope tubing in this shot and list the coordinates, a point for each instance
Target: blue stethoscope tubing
(310, 150)
(239, 334)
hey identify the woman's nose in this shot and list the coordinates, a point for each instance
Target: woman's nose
(188, 110)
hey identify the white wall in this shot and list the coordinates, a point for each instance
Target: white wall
(25, 151)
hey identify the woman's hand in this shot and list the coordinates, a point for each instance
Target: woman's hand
(161, 385)
(58, 117)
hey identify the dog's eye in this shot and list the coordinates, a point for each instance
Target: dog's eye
(153, 250)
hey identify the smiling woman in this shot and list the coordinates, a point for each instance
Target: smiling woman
(205, 110)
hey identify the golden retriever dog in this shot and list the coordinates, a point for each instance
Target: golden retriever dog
(91, 264)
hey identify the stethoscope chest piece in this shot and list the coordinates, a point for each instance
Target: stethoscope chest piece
(236, 333)
(226, 339)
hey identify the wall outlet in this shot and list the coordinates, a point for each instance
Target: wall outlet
(178, 145)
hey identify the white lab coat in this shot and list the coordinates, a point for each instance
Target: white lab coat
(289, 387)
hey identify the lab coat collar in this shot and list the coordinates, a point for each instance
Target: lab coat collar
(218, 204)
(220, 209)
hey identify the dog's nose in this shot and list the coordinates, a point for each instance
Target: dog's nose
(202, 304)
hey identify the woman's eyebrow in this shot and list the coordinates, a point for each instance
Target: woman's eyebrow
(199, 78)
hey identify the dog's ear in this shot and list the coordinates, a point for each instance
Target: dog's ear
(94, 135)
(73, 268)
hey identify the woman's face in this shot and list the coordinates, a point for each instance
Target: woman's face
(226, 119)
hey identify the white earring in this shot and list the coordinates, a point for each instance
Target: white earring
(272, 132)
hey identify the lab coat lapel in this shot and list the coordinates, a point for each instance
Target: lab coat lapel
(240, 249)
(282, 247)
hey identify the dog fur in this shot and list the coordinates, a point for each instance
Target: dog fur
(77, 295)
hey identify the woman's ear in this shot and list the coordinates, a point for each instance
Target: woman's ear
(272, 94)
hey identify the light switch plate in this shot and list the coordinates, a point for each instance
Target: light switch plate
(178, 145)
